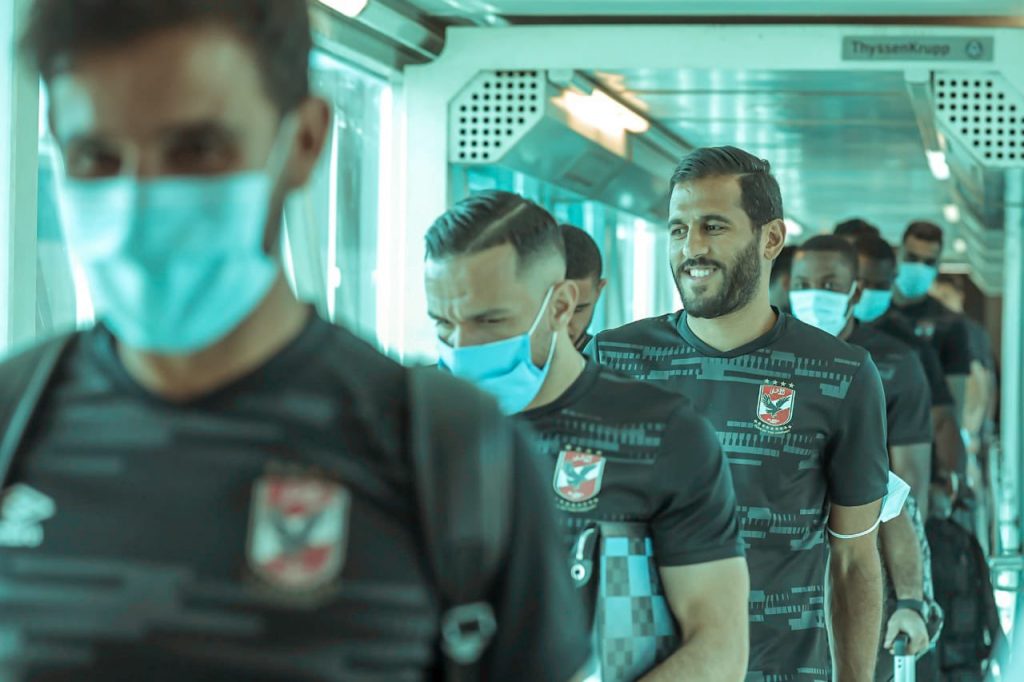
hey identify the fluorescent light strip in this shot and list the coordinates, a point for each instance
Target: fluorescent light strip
(350, 8)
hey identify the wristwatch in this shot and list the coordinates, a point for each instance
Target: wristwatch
(914, 605)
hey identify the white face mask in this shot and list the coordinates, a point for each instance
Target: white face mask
(174, 264)
(829, 311)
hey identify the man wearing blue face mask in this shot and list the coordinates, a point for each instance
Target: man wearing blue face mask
(824, 290)
(877, 268)
(217, 485)
(920, 255)
(647, 502)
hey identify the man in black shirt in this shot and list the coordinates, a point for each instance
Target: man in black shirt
(824, 275)
(584, 267)
(218, 486)
(877, 276)
(646, 496)
(919, 266)
(800, 415)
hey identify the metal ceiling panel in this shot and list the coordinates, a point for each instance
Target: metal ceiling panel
(842, 144)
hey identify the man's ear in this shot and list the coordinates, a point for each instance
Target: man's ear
(600, 287)
(312, 129)
(565, 298)
(773, 238)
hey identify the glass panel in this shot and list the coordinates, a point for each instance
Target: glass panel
(62, 297)
(332, 224)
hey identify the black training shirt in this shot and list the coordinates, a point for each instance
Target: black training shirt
(660, 464)
(266, 531)
(620, 451)
(907, 398)
(946, 331)
(897, 326)
(801, 417)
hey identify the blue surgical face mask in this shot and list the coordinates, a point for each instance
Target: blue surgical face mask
(829, 311)
(503, 368)
(173, 264)
(915, 279)
(873, 304)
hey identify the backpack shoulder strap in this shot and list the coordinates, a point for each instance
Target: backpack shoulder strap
(462, 451)
(23, 381)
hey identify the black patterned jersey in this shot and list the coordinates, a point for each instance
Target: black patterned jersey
(944, 329)
(635, 465)
(907, 397)
(801, 418)
(266, 531)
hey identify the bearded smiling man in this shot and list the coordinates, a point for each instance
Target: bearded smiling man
(800, 415)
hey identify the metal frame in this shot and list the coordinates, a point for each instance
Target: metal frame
(19, 153)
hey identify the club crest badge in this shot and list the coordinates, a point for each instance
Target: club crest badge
(578, 477)
(925, 329)
(298, 531)
(775, 404)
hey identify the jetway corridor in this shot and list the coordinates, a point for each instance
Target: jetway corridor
(573, 340)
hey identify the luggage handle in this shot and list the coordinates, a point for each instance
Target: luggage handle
(904, 664)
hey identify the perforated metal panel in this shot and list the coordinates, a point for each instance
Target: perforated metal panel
(985, 113)
(492, 113)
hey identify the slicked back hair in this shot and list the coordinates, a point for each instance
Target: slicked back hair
(829, 243)
(761, 198)
(277, 31)
(492, 218)
(582, 257)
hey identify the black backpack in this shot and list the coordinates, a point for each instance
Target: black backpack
(465, 537)
(963, 588)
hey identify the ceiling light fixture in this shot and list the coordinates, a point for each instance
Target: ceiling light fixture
(350, 8)
(793, 228)
(951, 212)
(602, 112)
(937, 164)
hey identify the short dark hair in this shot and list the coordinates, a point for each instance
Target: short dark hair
(582, 257)
(278, 32)
(490, 219)
(760, 194)
(925, 231)
(783, 263)
(829, 243)
(876, 248)
(856, 228)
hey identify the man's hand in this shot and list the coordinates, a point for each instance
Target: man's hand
(911, 623)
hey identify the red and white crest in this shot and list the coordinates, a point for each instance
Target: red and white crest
(775, 404)
(578, 475)
(298, 531)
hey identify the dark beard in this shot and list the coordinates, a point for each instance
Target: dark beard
(741, 281)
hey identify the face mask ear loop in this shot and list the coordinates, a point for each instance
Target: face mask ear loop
(543, 309)
(870, 530)
(281, 150)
